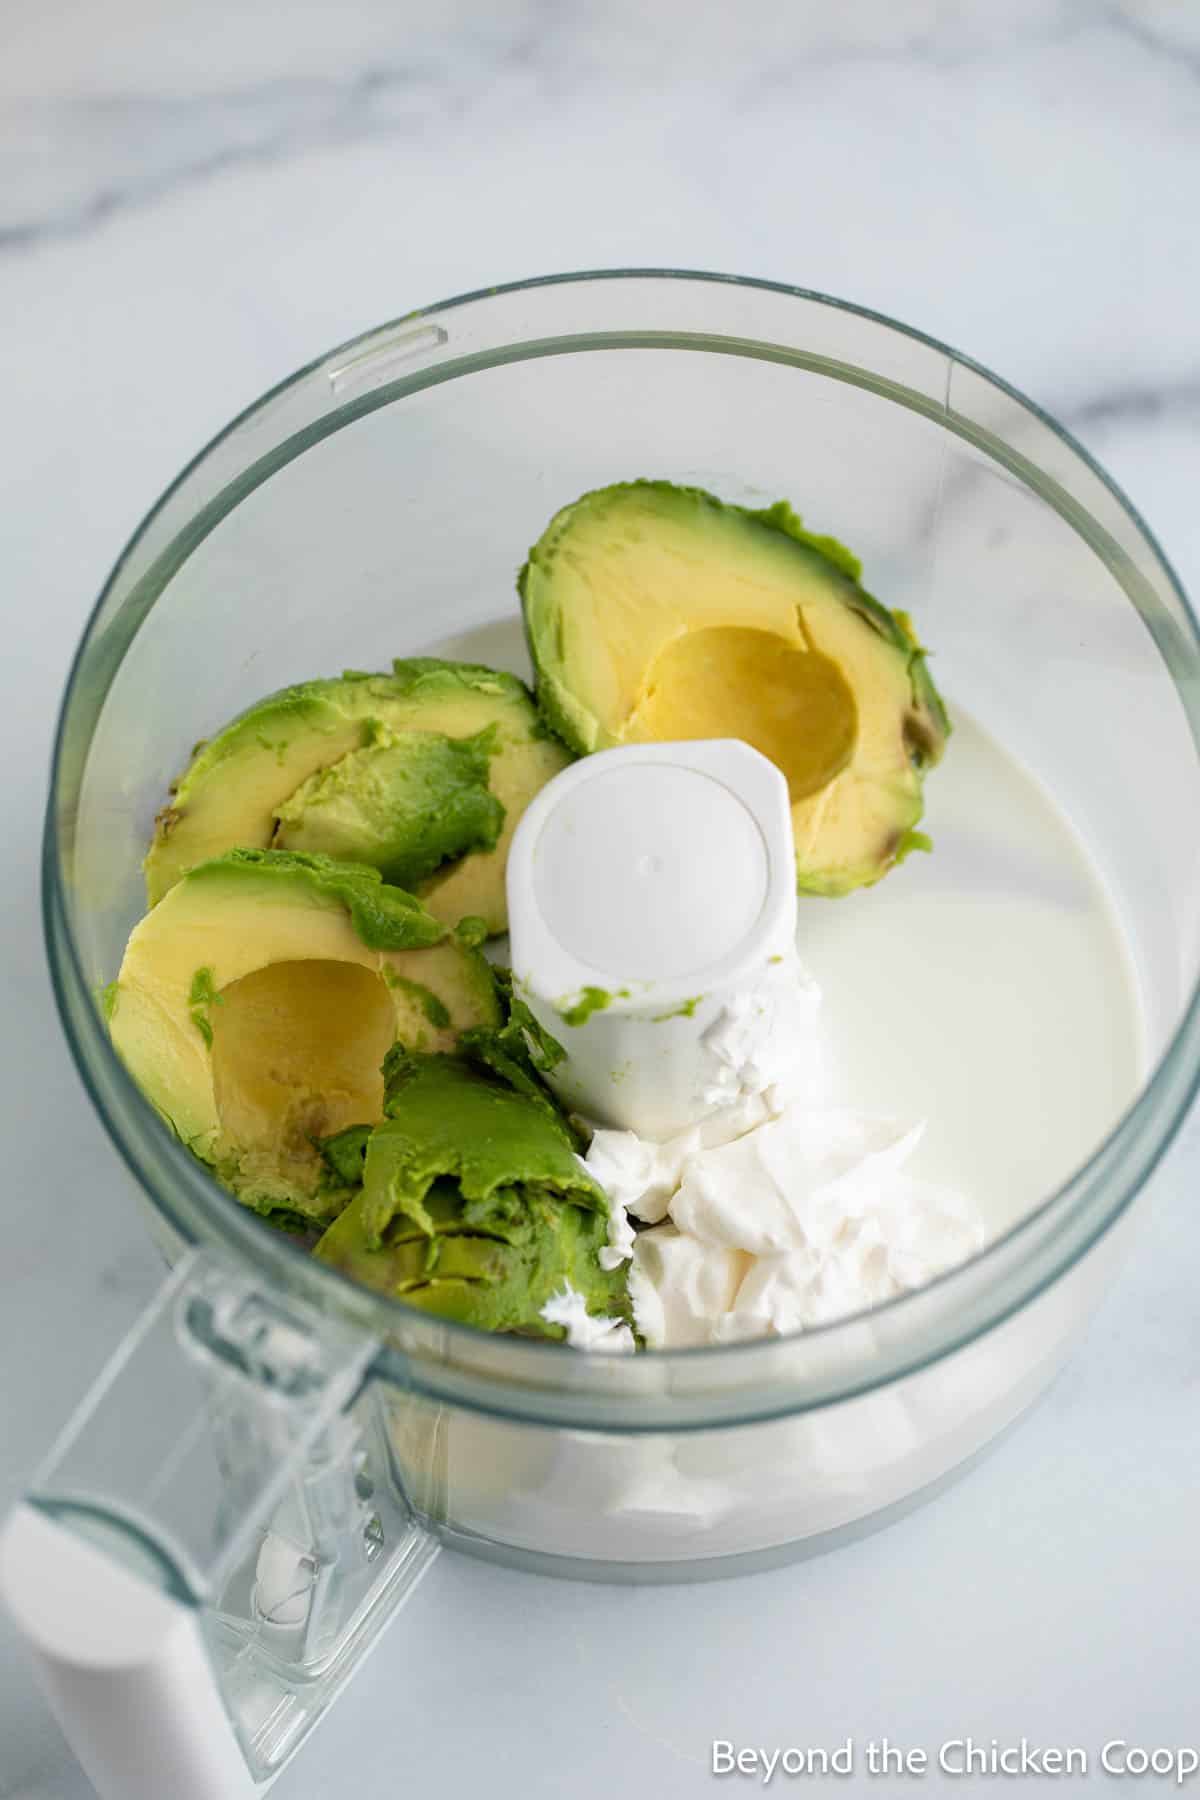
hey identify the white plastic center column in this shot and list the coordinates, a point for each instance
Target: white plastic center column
(647, 885)
(650, 871)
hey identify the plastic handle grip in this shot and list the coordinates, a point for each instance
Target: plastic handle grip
(215, 1542)
(124, 1666)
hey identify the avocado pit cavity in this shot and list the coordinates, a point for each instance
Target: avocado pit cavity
(297, 1054)
(791, 703)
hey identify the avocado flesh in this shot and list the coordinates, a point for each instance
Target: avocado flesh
(473, 1204)
(240, 782)
(657, 613)
(296, 1056)
(406, 803)
(519, 1054)
(255, 1004)
(468, 1274)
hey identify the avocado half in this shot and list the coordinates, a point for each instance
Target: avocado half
(657, 613)
(422, 774)
(256, 1002)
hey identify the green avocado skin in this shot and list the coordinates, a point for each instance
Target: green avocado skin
(474, 1205)
(404, 804)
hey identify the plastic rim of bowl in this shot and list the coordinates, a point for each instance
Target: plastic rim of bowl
(545, 1383)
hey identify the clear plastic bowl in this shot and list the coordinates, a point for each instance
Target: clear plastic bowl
(378, 504)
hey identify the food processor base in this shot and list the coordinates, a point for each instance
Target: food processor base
(744, 1562)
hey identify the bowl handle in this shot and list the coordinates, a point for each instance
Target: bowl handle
(216, 1540)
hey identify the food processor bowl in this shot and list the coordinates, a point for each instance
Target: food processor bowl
(377, 505)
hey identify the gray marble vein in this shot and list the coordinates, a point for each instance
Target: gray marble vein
(1178, 401)
(70, 161)
(148, 147)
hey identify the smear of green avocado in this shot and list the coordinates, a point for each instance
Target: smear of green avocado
(591, 1000)
(435, 1010)
(201, 995)
(686, 1010)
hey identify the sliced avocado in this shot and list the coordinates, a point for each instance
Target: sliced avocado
(256, 1002)
(406, 803)
(366, 765)
(658, 613)
(473, 1204)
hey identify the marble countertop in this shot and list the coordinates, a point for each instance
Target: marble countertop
(194, 200)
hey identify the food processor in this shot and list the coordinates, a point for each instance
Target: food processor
(276, 1454)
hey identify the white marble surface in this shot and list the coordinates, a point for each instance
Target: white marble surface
(194, 199)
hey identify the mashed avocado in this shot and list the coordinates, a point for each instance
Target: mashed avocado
(473, 1203)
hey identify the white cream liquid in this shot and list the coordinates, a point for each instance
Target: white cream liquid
(986, 988)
